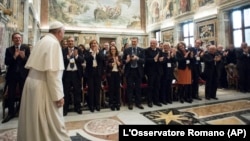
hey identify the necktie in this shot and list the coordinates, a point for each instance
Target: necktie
(71, 65)
(134, 50)
(134, 62)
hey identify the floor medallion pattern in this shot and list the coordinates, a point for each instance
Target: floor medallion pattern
(102, 126)
(227, 112)
(8, 135)
(100, 129)
(103, 129)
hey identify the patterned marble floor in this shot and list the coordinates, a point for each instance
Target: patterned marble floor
(231, 108)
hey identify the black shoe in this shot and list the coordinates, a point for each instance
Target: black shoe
(150, 105)
(197, 98)
(98, 108)
(164, 102)
(215, 98)
(139, 106)
(130, 107)
(207, 98)
(170, 102)
(92, 110)
(182, 101)
(189, 100)
(158, 104)
(118, 108)
(8, 118)
(79, 111)
(65, 113)
(112, 108)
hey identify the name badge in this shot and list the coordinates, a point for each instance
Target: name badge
(169, 65)
(72, 60)
(187, 61)
(198, 58)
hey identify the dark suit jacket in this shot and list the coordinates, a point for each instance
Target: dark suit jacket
(168, 71)
(109, 65)
(195, 51)
(152, 67)
(78, 61)
(89, 63)
(15, 66)
(140, 62)
(211, 68)
(243, 59)
(181, 60)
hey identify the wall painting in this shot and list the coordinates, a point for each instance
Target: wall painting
(206, 31)
(121, 14)
(168, 36)
(205, 2)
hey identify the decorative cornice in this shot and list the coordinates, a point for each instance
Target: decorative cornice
(233, 4)
(167, 28)
(206, 18)
(184, 17)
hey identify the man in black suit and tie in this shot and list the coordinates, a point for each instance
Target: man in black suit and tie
(72, 76)
(196, 68)
(16, 57)
(134, 59)
(153, 70)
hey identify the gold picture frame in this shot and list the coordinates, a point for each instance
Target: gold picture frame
(168, 36)
(206, 31)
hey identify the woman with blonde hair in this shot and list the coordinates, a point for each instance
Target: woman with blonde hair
(94, 72)
(168, 63)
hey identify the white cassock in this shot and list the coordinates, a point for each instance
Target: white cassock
(39, 118)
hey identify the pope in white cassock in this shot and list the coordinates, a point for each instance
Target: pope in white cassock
(41, 111)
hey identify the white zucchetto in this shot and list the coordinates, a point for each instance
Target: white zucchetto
(55, 25)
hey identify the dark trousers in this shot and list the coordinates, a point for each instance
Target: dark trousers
(244, 78)
(153, 88)
(133, 83)
(15, 88)
(195, 80)
(184, 92)
(114, 81)
(72, 85)
(211, 85)
(166, 89)
(94, 88)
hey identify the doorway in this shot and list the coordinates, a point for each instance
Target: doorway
(105, 39)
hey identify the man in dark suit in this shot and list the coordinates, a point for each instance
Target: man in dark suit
(196, 68)
(243, 67)
(134, 59)
(212, 60)
(15, 59)
(72, 76)
(153, 70)
(105, 49)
